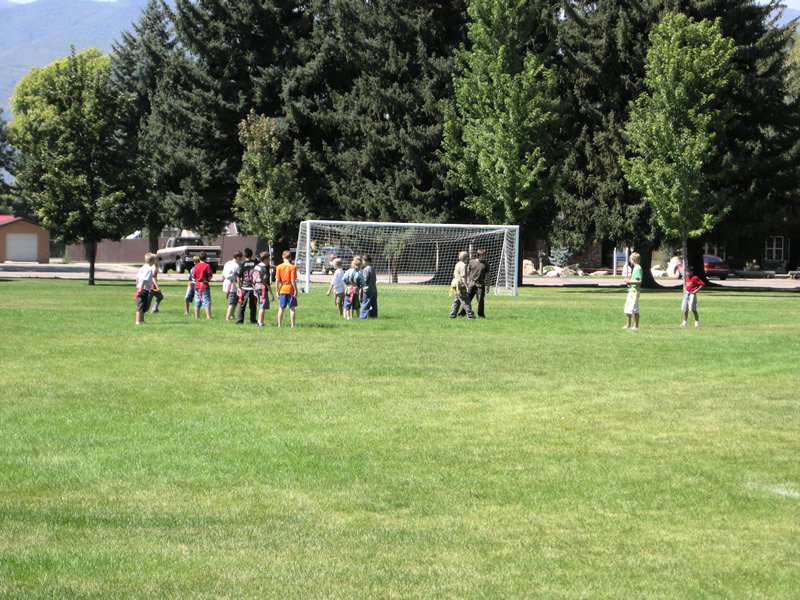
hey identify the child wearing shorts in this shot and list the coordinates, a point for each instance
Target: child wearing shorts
(188, 299)
(261, 286)
(286, 284)
(353, 282)
(230, 274)
(634, 283)
(155, 293)
(144, 282)
(337, 286)
(202, 290)
(691, 286)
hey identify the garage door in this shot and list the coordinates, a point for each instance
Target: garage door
(21, 246)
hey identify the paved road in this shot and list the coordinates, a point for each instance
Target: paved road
(77, 271)
(106, 271)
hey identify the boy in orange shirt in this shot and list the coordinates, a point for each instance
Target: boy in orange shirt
(286, 284)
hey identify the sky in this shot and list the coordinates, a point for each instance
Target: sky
(789, 3)
(29, 1)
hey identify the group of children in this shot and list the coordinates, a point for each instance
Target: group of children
(691, 286)
(355, 291)
(246, 282)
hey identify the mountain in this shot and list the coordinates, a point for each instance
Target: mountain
(788, 15)
(35, 34)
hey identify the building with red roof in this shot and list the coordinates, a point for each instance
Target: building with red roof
(23, 240)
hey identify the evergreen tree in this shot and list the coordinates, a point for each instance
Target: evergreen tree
(65, 122)
(236, 56)
(185, 143)
(137, 65)
(604, 46)
(498, 132)
(362, 108)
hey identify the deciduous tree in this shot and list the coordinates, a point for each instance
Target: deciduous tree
(674, 125)
(758, 157)
(498, 130)
(65, 122)
(268, 200)
(6, 161)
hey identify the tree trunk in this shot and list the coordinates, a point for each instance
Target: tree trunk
(685, 256)
(152, 239)
(646, 253)
(694, 258)
(91, 255)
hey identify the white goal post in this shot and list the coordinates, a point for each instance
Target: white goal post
(407, 255)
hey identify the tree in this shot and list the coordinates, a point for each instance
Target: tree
(385, 119)
(6, 162)
(268, 199)
(137, 65)
(361, 106)
(758, 155)
(235, 57)
(65, 121)
(674, 124)
(498, 132)
(604, 45)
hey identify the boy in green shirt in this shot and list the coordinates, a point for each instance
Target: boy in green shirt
(634, 283)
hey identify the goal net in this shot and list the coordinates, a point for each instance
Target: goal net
(407, 255)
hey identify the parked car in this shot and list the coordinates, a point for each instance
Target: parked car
(178, 252)
(715, 266)
(321, 261)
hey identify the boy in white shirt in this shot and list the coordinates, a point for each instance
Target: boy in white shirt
(230, 272)
(144, 281)
(337, 285)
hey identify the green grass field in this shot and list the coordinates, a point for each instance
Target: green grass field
(540, 453)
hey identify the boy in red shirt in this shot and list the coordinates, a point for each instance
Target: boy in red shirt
(202, 276)
(691, 286)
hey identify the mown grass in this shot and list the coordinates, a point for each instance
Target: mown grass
(542, 452)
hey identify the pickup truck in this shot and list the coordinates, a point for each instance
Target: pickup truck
(178, 252)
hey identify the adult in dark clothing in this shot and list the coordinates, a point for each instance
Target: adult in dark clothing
(245, 284)
(369, 301)
(478, 275)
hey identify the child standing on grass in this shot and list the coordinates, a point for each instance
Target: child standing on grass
(202, 289)
(155, 292)
(354, 282)
(691, 286)
(634, 283)
(144, 282)
(189, 297)
(286, 284)
(261, 286)
(369, 299)
(337, 286)
(230, 274)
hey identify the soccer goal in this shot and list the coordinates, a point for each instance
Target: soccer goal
(407, 255)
